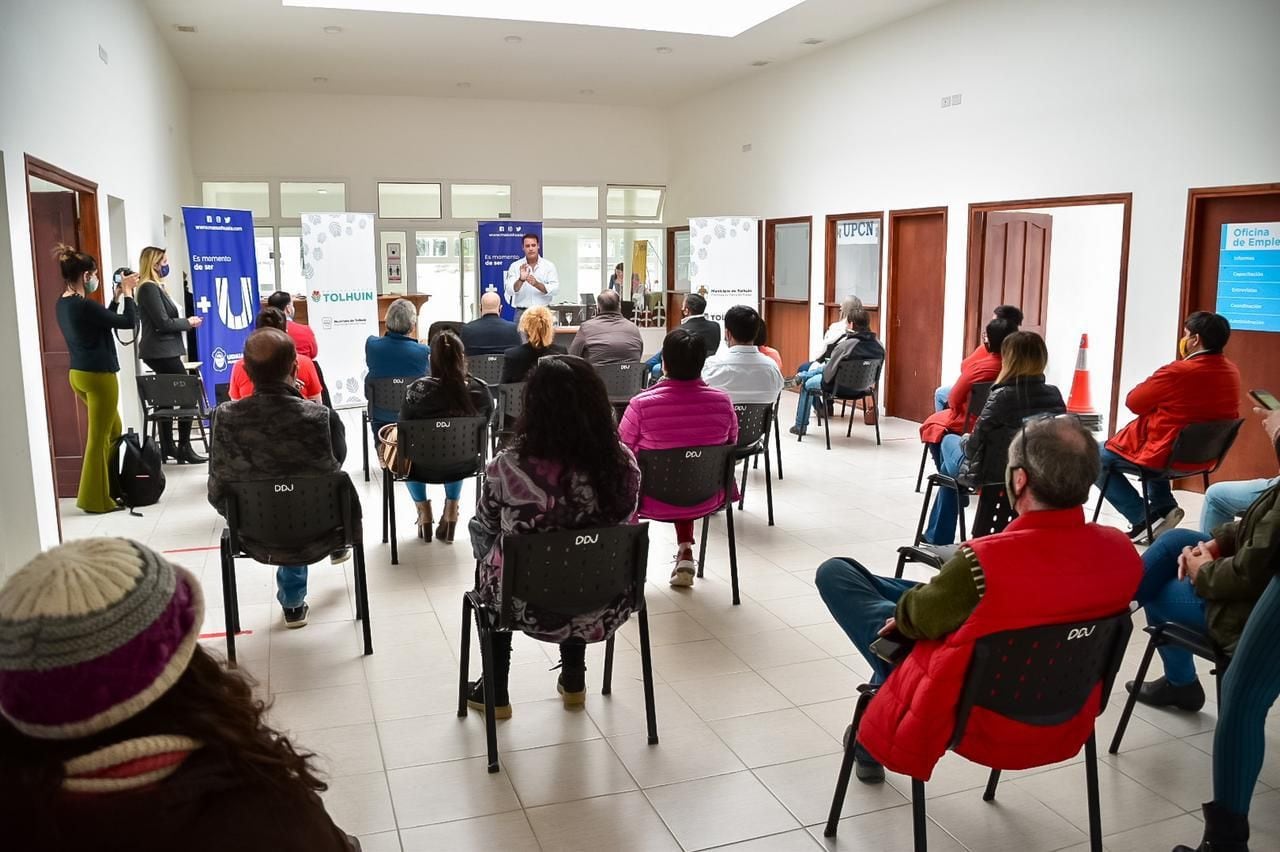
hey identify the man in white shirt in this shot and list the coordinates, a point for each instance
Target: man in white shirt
(743, 371)
(532, 280)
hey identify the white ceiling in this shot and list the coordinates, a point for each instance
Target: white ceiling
(260, 45)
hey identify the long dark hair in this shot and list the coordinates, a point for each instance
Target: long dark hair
(449, 369)
(568, 419)
(214, 706)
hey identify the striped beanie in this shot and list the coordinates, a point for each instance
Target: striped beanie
(91, 634)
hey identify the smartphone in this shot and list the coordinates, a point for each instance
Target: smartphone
(892, 647)
(1266, 399)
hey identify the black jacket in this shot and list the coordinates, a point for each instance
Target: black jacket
(162, 328)
(489, 335)
(987, 447)
(708, 330)
(856, 345)
(519, 360)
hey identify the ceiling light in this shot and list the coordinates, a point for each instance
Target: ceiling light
(184, 28)
(586, 91)
(319, 79)
(663, 50)
(513, 39)
(670, 16)
(332, 30)
(813, 41)
(759, 63)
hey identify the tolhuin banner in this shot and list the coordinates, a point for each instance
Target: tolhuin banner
(723, 259)
(339, 266)
(224, 287)
(500, 244)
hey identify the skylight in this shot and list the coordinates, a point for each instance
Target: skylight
(670, 16)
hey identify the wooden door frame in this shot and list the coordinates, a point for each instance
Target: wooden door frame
(673, 316)
(90, 243)
(829, 263)
(886, 328)
(770, 229)
(973, 281)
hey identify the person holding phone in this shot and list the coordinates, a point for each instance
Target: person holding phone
(162, 344)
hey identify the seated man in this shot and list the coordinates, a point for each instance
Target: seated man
(275, 433)
(1004, 312)
(308, 379)
(692, 319)
(1047, 566)
(858, 342)
(608, 337)
(742, 370)
(489, 333)
(1203, 386)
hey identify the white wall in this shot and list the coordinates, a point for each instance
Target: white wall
(1147, 96)
(122, 125)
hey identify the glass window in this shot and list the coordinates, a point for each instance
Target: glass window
(392, 258)
(238, 195)
(298, 198)
(635, 203)
(291, 279)
(409, 200)
(576, 254)
(264, 246)
(858, 260)
(791, 261)
(640, 251)
(479, 200)
(470, 275)
(570, 202)
(438, 268)
(682, 261)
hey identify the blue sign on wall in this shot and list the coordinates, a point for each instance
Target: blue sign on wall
(1249, 276)
(500, 244)
(224, 287)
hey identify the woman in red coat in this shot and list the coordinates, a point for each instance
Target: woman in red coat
(973, 370)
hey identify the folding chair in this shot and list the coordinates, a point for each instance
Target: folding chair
(978, 393)
(509, 407)
(993, 514)
(386, 394)
(1040, 676)
(755, 420)
(569, 572)
(168, 398)
(1198, 450)
(291, 513)
(855, 378)
(622, 381)
(444, 449)
(486, 368)
(689, 476)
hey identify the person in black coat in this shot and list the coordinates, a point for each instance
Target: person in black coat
(535, 325)
(489, 334)
(693, 321)
(162, 345)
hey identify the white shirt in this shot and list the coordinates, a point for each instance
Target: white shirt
(745, 373)
(529, 296)
(834, 332)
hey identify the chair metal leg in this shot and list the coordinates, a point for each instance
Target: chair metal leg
(362, 597)
(768, 484)
(990, 793)
(386, 482)
(924, 457)
(391, 521)
(826, 421)
(919, 825)
(1133, 696)
(742, 489)
(364, 442)
(875, 412)
(204, 434)
(902, 563)
(1097, 510)
(777, 439)
(963, 524)
(646, 666)
(702, 546)
(848, 429)
(1146, 509)
(1095, 809)
(924, 513)
(733, 551)
(228, 600)
(464, 657)
(846, 767)
(490, 685)
(607, 686)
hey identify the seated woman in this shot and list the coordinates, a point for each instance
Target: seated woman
(1019, 392)
(540, 340)
(308, 379)
(951, 420)
(680, 411)
(397, 354)
(156, 746)
(448, 392)
(559, 472)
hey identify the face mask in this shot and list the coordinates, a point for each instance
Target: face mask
(91, 285)
(1182, 347)
(164, 270)
(1008, 485)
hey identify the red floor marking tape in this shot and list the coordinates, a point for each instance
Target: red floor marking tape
(192, 549)
(223, 634)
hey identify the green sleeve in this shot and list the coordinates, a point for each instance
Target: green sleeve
(1244, 575)
(939, 607)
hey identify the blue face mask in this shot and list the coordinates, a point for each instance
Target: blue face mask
(164, 270)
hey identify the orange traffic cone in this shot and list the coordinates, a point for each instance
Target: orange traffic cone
(1080, 401)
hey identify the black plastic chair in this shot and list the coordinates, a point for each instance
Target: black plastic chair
(293, 513)
(855, 379)
(170, 397)
(506, 411)
(755, 422)
(1198, 450)
(443, 449)
(978, 393)
(992, 515)
(387, 394)
(622, 381)
(1039, 676)
(688, 476)
(569, 572)
(486, 368)
(1179, 636)
(440, 325)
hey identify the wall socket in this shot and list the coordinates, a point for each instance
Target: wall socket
(951, 100)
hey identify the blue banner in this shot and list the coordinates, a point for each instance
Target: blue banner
(500, 244)
(1249, 276)
(224, 287)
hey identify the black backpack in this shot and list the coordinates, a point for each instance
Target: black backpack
(139, 481)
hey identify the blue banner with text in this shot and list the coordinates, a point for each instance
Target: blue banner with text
(499, 245)
(1249, 276)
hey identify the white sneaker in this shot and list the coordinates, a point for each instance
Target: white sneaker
(685, 570)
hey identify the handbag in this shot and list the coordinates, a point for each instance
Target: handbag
(389, 451)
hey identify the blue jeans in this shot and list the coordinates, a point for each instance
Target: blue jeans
(1224, 500)
(655, 365)
(1166, 598)
(418, 490)
(808, 389)
(942, 518)
(860, 602)
(940, 397)
(1127, 499)
(291, 585)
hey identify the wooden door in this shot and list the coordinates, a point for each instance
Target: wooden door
(53, 221)
(786, 287)
(1256, 353)
(677, 273)
(1013, 269)
(917, 291)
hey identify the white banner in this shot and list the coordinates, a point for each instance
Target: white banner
(339, 265)
(724, 263)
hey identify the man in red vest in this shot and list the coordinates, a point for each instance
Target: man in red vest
(1200, 387)
(1048, 566)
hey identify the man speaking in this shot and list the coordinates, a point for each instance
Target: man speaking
(532, 280)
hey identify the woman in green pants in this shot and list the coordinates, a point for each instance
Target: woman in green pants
(87, 326)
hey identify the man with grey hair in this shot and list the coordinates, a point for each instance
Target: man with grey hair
(608, 337)
(489, 333)
(1047, 566)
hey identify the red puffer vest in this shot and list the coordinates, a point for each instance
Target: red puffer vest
(1045, 567)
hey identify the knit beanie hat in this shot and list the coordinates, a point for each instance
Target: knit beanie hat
(91, 634)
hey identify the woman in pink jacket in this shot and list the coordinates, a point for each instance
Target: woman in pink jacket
(680, 411)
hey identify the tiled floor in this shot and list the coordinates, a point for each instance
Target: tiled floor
(751, 700)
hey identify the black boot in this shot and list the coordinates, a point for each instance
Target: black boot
(168, 449)
(1161, 693)
(501, 677)
(572, 684)
(1224, 831)
(187, 455)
